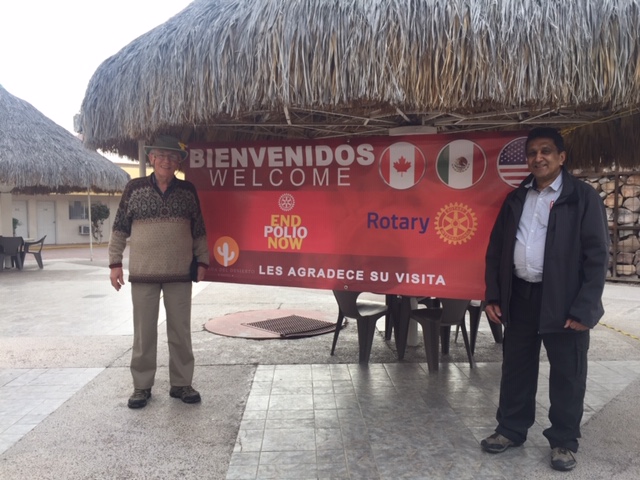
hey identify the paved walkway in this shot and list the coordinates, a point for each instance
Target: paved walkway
(274, 409)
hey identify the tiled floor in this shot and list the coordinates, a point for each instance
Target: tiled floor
(385, 421)
(390, 421)
(28, 396)
(381, 421)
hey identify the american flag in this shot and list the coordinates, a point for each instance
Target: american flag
(512, 162)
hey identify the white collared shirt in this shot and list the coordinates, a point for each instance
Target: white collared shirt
(528, 257)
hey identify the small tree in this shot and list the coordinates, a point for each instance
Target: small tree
(16, 224)
(99, 213)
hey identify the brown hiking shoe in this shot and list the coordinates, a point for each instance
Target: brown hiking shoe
(497, 443)
(139, 398)
(186, 394)
(562, 459)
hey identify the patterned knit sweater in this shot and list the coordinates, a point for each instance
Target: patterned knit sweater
(165, 231)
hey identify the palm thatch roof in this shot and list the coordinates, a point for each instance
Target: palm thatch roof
(39, 156)
(257, 69)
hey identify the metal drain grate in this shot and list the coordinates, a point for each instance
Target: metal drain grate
(294, 326)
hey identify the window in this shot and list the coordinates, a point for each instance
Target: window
(78, 210)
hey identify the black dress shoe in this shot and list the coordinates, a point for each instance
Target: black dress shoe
(139, 398)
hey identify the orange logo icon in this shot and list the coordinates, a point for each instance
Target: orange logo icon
(226, 251)
(456, 223)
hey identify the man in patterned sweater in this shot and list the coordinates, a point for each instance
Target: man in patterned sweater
(161, 217)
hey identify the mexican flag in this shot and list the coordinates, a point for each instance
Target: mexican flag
(461, 164)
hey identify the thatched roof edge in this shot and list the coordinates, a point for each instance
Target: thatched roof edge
(39, 156)
(242, 69)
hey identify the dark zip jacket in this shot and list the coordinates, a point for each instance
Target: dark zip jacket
(576, 256)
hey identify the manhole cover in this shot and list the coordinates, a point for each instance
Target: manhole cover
(294, 326)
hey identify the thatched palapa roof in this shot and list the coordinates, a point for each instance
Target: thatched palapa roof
(39, 156)
(256, 69)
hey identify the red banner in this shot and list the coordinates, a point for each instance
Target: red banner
(406, 215)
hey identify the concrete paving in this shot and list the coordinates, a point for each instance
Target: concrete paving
(274, 408)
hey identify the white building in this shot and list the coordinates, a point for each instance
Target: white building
(64, 218)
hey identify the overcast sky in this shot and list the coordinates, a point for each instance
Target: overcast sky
(49, 49)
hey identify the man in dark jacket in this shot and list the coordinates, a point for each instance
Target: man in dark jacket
(546, 266)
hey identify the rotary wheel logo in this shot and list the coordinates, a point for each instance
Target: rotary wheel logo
(286, 202)
(456, 223)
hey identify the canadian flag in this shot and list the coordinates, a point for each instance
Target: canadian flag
(402, 165)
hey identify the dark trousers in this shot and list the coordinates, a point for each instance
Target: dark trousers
(567, 354)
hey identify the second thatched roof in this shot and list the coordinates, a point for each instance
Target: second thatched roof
(251, 69)
(39, 156)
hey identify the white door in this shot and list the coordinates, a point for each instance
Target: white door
(46, 219)
(20, 214)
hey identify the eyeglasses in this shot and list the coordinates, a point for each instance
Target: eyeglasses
(172, 157)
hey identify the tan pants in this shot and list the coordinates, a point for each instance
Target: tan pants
(146, 306)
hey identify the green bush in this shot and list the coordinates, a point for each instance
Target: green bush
(99, 213)
(16, 224)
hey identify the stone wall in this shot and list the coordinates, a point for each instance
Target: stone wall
(621, 197)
